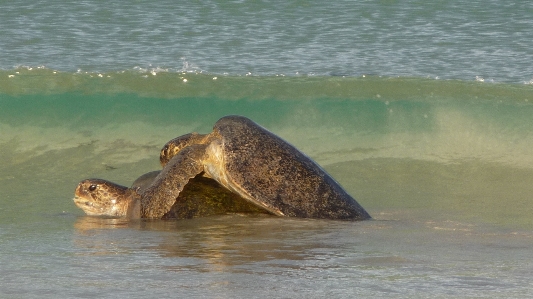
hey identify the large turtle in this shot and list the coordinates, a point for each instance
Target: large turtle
(249, 161)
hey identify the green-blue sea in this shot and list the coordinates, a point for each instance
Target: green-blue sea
(421, 110)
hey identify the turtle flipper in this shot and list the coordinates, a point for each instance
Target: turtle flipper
(161, 195)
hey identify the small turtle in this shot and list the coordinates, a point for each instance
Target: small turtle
(251, 162)
(200, 197)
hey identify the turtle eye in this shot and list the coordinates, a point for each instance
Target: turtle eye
(93, 187)
(165, 149)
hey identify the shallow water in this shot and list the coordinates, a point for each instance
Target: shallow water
(238, 256)
(443, 166)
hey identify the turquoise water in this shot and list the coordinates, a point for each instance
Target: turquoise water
(421, 111)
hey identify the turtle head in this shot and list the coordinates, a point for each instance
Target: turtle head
(174, 146)
(98, 197)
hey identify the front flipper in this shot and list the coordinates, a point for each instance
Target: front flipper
(161, 195)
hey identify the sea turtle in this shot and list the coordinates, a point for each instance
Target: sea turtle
(201, 197)
(249, 161)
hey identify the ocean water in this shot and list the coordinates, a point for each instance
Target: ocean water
(422, 111)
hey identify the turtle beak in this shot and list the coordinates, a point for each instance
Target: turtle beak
(87, 206)
(81, 202)
(78, 191)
